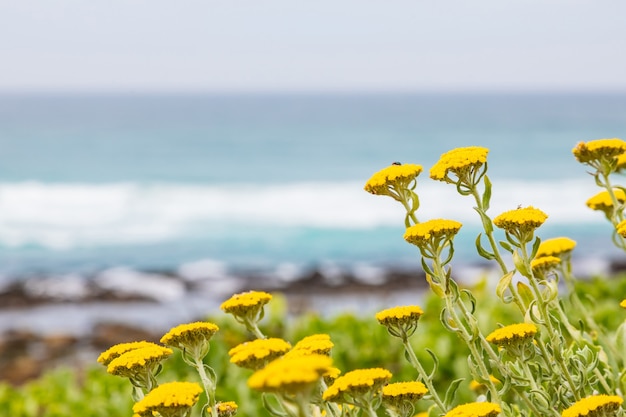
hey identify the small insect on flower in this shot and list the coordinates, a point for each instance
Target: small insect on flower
(396, 163)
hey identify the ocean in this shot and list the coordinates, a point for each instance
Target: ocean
(274, 182)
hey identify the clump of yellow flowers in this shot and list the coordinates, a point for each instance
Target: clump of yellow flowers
(541, 365)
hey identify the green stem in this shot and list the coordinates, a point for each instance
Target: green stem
(209, 385)
(552, 331)
(420, 370)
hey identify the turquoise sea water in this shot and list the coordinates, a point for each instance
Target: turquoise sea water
(153, 182)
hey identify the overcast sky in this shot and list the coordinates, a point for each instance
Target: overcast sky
(314, 45)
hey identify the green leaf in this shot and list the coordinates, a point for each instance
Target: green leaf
(435, 363)
(506, 246)
(520, 265)
(504, 283)
(482, 251)
(451, 392)
(525, 292)
(487, 193)
(536, 244)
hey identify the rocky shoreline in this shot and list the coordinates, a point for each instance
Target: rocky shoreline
(67, 320)
(47, 321)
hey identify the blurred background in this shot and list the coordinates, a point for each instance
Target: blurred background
(148, 147)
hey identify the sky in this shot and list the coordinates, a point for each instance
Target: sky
(315, 45)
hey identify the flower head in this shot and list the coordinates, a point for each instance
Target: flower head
(355, 385)
(400, 392)
(512, 333)
(622, 303)
(544, 264)
(480, 387)
(558, 246)
(291, 375)
(137, 361)
(430, 234)
(464, 163)
(191, 337)
(603, 201)
(477, 409)
(169, 399)
(393, 180)
(116, 350)
(244, 303)
(257, 353)
(521, 223)
(594, 406)
(317, 344)
(516, 339)
(227, 409)
(400, 321)
(600, 153)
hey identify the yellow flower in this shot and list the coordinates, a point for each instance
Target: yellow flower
(400, 321)
(599, 151)
(622, 303)
(257, 353)
(603, 202)
(621, 228)
(556, 247)
(356, 384)
(430, 233)
(291, 374)
(393, 179)
(544, 264)
(169, 399)
(227, 409)
(399, 392)
(482, 409)
(191, 337)
(594, 406)
(244, 303)
(462, 162)
(116, 350)
(135, 361)
(319, 344)
(513, 333)
(400, 315)
(521, 223)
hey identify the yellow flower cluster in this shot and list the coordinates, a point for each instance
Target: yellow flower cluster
(480, 386)
(404, 391)
(187, 336)
(257, 353)
(556, 247)
(136, 360)
(598, 150)
(478, 409)
(117, 350)
(399, 316)
(522, 220)
(396, 176)
(227, 409)
(603, 202)
(431, 231)
(594, 406)
(544, 264)
(622, 303)
(356, 383)
(291, 374)
(243, 303)
(169, 399)
(318, 344)
(460, 161)
(512, 333)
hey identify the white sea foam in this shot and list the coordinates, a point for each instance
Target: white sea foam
(65, 216)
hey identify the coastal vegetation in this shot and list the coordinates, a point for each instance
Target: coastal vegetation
(537, 342)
